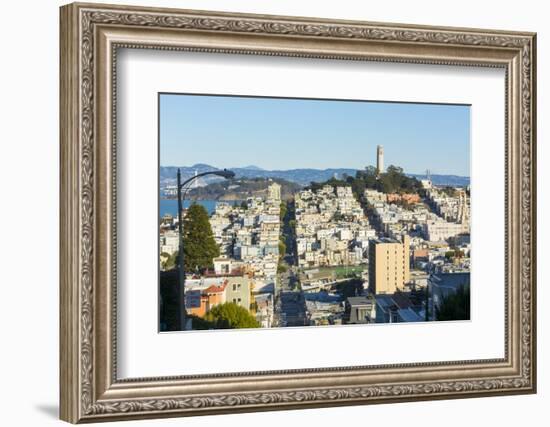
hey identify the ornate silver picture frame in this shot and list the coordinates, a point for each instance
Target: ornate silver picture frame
(91, 36)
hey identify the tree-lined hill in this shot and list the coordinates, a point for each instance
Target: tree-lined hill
(241, 189)
(394, 180)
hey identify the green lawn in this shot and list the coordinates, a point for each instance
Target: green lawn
(343, 271)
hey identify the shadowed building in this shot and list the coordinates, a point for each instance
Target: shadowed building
(443, 285)
(168, 301)
(360, 309)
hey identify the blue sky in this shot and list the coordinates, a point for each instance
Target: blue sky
(279, 133)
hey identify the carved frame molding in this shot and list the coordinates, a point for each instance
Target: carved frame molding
(90, 37)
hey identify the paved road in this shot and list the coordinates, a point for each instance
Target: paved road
(293, 309)
(289, 301)
(288, 280)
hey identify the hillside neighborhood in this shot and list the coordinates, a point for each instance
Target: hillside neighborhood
(377, 246)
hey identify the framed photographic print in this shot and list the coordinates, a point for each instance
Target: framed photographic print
(266, 212)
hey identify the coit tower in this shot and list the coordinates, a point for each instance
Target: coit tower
(379, 159)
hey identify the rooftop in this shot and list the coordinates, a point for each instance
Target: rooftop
(409, 315)
(385, 240)
(355, 301)
(213, 289)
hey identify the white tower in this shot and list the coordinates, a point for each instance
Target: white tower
(379, 159)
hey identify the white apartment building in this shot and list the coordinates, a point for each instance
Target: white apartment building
(439, 230)
(169, 242)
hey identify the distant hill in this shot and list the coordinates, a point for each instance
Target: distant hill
(252, 167)
(241, 189)
(301, 177)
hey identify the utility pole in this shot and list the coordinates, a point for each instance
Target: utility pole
(181, 268)
(427, 302)
(227, 174)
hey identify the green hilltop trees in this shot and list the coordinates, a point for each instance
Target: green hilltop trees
(393, 180)
(199, 246)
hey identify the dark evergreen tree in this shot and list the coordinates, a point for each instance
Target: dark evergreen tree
(358, 187)
(282, 211)
(455, 306)
(199, 246)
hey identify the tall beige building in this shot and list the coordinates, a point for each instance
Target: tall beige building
(463, 215)
(274, 192)
(388, 265)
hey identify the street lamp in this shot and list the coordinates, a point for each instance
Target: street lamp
(181, 270)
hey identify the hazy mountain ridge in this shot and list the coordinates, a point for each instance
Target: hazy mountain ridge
(301, 176)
